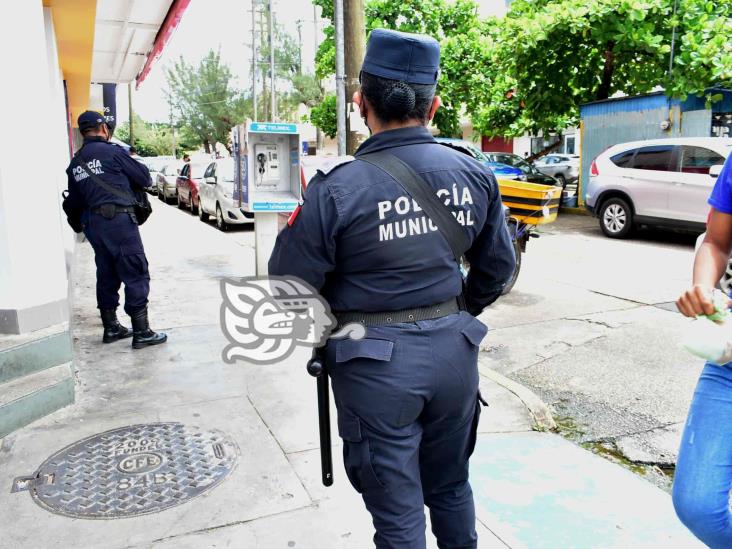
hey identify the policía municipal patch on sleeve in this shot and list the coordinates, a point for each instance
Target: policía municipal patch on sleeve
(293, 215)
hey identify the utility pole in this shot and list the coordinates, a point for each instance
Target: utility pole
(318, 134)
(255, 53)
(172, 128)
(340, 78)
(355, 40)
(299, 41)
(273, 98)
(129, 104)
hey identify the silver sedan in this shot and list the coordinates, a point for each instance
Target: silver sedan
(166, 183)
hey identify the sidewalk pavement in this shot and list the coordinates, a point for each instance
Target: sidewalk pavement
(532, 489)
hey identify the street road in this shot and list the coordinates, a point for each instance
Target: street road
(591, 327)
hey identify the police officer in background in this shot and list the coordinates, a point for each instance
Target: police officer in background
(110, 226)
(407, 394)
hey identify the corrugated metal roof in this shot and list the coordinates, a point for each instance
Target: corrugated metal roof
(656, 100)
(624, 104)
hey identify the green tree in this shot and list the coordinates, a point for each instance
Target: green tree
(287, 70)
(552, 56)
(205, 99)
(151, 138)
(323, 116)
(530, 70)
(450, 21)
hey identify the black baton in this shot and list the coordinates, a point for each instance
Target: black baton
(316, 368)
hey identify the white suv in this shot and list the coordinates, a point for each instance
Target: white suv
(217, 195)
(662, 182)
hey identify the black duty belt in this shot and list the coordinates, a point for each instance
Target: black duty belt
(430, 312)
(112, 207)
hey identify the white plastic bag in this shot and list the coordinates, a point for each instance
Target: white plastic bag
(710, 337)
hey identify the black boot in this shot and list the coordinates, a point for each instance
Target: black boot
(142, 334)
(113, 330)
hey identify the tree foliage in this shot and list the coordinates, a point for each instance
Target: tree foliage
(150, 138)
(552, 56)
(446, 20)
(205, 100)
(530, 70)
(287, 69)
(324, 116)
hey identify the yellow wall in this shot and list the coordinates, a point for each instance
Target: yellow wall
(73, 21)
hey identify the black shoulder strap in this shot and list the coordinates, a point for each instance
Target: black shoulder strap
(420, 190)
(99, 181)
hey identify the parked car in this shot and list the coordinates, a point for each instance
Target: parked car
(188, 183)
(660, 182)
(499, 170)
(528, 171)
(155, 164)
(217, 196)
(562, 167)
(165, 183)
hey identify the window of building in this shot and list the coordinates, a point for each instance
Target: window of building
(569, 144)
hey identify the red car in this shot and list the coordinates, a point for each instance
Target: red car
(187, 182)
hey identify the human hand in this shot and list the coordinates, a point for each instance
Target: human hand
(696, 301)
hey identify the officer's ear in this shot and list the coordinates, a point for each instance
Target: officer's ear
(436, 104)
(358, 99)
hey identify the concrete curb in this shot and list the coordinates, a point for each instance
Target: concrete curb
(538, 409)
(573, 210)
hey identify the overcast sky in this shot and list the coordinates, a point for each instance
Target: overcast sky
(226, 24)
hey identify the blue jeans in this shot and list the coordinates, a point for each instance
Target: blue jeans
(703, 478)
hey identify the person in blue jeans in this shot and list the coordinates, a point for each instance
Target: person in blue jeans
(701, 492)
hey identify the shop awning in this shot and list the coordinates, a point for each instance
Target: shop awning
(110, 41)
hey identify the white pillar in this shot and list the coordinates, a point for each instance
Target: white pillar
(33, 156)
(266, 227)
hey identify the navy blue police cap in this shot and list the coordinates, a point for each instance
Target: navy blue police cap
(411, 58)
(90, 119)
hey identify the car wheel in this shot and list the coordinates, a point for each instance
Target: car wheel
(562, 181)
(220, 223)
(161, 196)
(180, 202)
(514, 277)
(616, 218)
(192, 206)
(203, 216)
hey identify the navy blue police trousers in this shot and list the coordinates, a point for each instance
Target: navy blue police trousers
(120, 258)
(408, 409)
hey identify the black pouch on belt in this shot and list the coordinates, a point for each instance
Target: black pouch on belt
(108, 211)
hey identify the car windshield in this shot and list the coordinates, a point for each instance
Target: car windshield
(475, 152)
(512, 160)
(156, 164)
(197, 170)
(466, 146)
(225, 171)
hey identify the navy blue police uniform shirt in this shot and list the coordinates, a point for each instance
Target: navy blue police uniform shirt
(365, 244)
(112, 164)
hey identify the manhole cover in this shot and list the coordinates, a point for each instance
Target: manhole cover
(131, 471)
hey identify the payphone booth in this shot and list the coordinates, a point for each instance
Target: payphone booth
(267, 156)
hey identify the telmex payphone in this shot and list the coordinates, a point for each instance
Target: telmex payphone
(267, 160)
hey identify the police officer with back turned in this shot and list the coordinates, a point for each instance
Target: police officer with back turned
(111, 227)
(407, 394)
